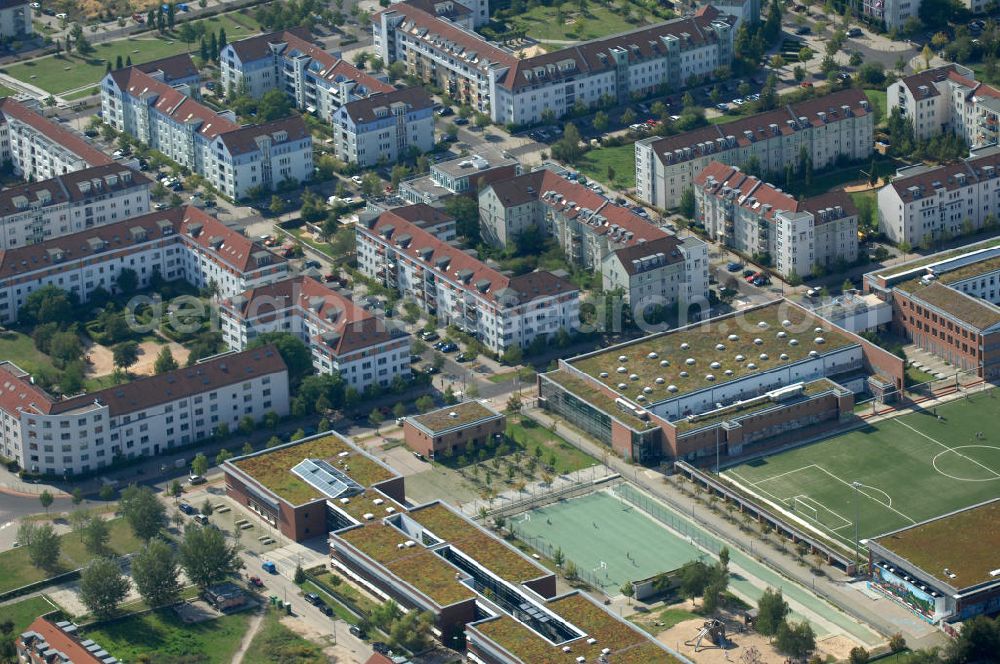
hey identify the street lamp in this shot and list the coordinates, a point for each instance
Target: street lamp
(857, 521)
(717, 450)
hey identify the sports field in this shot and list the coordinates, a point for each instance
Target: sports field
(610, 541)
(909, 469)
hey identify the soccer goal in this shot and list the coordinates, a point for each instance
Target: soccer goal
(800, 505)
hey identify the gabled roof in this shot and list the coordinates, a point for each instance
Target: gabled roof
(948, 177)
(468, 271)
(42, 633)
(226, 244)
(346, 326)
(636, 257)
(379, 106)
(244, 139)
(10, 108)
(172, 68)
(75, 186)
(784, 121)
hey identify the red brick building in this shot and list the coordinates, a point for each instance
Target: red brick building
(452, 429)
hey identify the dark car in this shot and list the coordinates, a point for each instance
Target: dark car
(464, 357)
(855, 32)
(313, 599)
(448, 347)
(356, 631)
(804, 30)
(381, 647)
(430, 335)
(415, 358)
(313, 264)
(733, 266)
(446, 111)
(187, 509)
(461, 122)
(431, 370)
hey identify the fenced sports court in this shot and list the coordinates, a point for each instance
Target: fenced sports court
(906, 469)
(609, 536)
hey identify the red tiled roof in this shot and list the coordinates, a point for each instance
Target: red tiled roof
(147, 391)
(426, 249)
(61, 641)
(363, 110)
(69, 187)
(244, 139)
(173, 68)
(759, 125)
(947, 177)
(348, 327)
(225, 243)
(55, 133)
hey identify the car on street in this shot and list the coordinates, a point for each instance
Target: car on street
(429, 335)
(356, 179)
(804, 30)
(855, 32)
(461, 122)
(187, 509)
(62, 15)
(733, 266)
(312, 264)
(430, 370)
(195, 480)
(269, 567)
(313, 599)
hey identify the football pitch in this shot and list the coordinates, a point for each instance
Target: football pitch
(907, 469)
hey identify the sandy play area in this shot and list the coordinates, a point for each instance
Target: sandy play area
(102, 359)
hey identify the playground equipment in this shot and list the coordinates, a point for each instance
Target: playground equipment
(751, 656)
(714, 631)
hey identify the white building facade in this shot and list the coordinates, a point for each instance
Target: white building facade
(758, 219)
(836, 126)
(502, 312)
(15, 19)
(384, 128)
(39, 149)
(236, 160)
(149, 416)
(71, 203)
(343, 337)
(180, 243)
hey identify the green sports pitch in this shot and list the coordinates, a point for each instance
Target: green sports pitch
(908, 469)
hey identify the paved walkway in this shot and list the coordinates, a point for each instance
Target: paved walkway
(782, 568)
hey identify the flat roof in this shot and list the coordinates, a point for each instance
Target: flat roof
(457, 415)
(969, 309)
(767, 337)
(490, 552)
(592, 395)
(979, 268)
(751, 406)
(966, 542)
(937, 258)
(272, 468)
(415, 564)
(627, 644)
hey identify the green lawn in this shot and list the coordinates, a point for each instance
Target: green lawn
(23, 613)
(16, 569)
(915, 376)
(878, 98)
(324, 580)
(568, 458)
(61, 73)
(594, 164)
(164, 636)
(526, 374)
(541, 23)
(911, 468)
(20, 349)
(663, 620)
(276, 644)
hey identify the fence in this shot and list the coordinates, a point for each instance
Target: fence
(534, 501)
(667, 517)
(547, 550)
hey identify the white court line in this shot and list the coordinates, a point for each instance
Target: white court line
(950, 449)
(867, 496)
(847, 522)
(774, 477)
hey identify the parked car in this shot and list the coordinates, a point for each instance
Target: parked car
(430, 370)
(464, 357)
(446, 111)
(313, 598)
(187, 509)
(805, 84)
(855, 32)
(429, 335)
(804, 30)
(356, 179)
(356, 631)
(381, 647)
(733, 266)
(461, 122)
(201, 518)
(195, 480)
(448, 347)
(315, 265)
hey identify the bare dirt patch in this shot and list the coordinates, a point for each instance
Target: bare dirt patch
(101, 358)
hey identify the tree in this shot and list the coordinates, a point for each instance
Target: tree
(412, 631)
(277, 205)
(371, 184)
(203, 50)
(187, 33)
(207, 508)
(222, 38)
(48, 304)
(601, 121)
(165, 360)
(295, 354)
(103, 587)
(77, 495)
(897, 643)
(96, 535)
(795, 639)
(979, 641)
(694, 577)
(628, 117)
(771, 612)
(858, 655)
(856, 59)
(156, 573)
(376, 418)
(42, 543)
(424, 403)
(175, 489)
(273, 441)
(45, 498)
(300, 575)
(687, 204)
(145, 513)
(568, 147)
(558, 557)
(465, 211)
(223, 455)
(199, 464)
(125, 354)
(206, 557)
(927, 55)
(127, 281)
(274, 105)
(628, 590)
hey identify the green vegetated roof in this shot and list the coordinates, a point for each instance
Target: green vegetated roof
(967, 308)
(597, 398)
(414, 564)
(971, 271)
(273, 468)
(965, 542)
(627, 644)
(762, 336)
(937, 258)
(737, 411)
(457, 415)
(493, 554)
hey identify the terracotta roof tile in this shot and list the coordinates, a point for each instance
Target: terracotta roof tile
(70, 187)
(363, 110)
(56, 133)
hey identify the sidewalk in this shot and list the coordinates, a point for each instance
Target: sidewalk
(833, 587)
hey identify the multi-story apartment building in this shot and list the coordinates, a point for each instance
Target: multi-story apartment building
(895, 13)
(384, 127)
(836, 126)
(503, 312)
(947, 304)
(342, 336)
(462, 176)
(180, 243)
(40, 149)
(235, 159)
(71, 203)
(521, 91)
(174, 70)
(149, 416)
(746, 11)
(923, 203)
(948, 99)
(316, 81)
(15, 19)
(649, 265)
(45, 642)
(756, 218)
